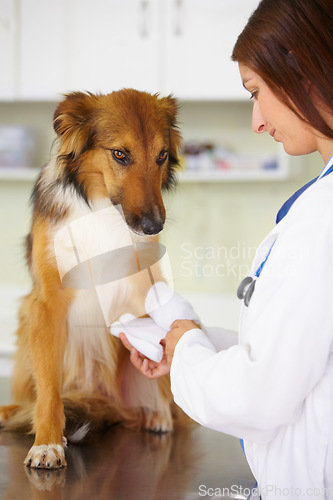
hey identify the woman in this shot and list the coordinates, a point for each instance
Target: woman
(274, 389)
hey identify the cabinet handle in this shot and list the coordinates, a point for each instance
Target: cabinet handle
(144, 18)
(177, 17)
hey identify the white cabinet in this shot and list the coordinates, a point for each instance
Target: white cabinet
(170, 46)
(43, 49)
(83, 45)
(8, 49)
(114, 44)
(199, 39)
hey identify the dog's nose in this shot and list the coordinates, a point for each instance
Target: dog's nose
(150, 225)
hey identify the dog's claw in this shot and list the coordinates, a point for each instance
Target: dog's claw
(50, 456)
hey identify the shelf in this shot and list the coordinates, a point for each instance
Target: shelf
(18, 173)
(240, 175)
(231, 176)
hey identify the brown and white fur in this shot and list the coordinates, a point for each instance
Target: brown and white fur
(118, 149)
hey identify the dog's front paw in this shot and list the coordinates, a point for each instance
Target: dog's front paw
(158, 422)
(51, 456)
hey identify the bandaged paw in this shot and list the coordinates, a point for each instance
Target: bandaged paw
(142, 333)
(165, 306)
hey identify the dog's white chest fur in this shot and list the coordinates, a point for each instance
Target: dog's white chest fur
(84, 245)
(88, 237)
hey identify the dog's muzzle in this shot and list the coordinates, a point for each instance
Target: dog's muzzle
(151, 225)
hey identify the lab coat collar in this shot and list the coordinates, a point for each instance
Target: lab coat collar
(327, 166)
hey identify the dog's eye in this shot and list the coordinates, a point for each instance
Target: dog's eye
(162, 157)
(120, 156)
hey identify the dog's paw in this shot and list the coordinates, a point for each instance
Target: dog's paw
(158, 422)
(51, 456)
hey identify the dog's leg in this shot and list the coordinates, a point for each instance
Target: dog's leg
(161, 419)
(18, 416)
(150, 399)
(47, 342)
(22, 383)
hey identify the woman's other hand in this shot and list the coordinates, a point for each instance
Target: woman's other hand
(147, 367)
(152, 369)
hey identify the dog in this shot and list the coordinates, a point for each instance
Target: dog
(119, 149)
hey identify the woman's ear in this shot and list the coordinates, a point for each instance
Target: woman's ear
(74, 124)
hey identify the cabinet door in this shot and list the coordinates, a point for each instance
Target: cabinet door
(8, 49)
(199, 41)
(43, 47)
(114, 44)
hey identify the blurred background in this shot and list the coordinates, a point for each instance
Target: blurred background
(232, 182)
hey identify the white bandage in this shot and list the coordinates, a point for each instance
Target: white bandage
(165, 306)
(142, 333)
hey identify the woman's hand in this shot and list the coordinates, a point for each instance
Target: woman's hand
(147, 367)
(150, 368)
(178, 328)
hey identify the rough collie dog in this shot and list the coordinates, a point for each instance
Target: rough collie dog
(116, 149)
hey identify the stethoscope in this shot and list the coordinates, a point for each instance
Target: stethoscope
(247, 285)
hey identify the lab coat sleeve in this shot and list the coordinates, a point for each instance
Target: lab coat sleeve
(252, 389)
(220, 337)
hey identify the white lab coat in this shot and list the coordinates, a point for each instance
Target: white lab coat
(274, 388)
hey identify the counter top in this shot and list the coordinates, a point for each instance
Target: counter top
(123, 464)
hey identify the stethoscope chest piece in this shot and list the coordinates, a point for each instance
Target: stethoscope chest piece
(246, 286)
(246, 289)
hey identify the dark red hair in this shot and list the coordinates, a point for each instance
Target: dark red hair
(289, 44)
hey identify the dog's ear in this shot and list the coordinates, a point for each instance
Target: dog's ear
(73, 122)
(170, 107)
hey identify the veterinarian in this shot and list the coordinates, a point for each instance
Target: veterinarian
(274, 389)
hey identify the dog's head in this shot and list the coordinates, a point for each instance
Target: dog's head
(122, 145)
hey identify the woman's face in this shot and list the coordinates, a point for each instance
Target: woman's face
(272, 116)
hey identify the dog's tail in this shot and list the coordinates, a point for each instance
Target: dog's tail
(87, 414)
(17, 418)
